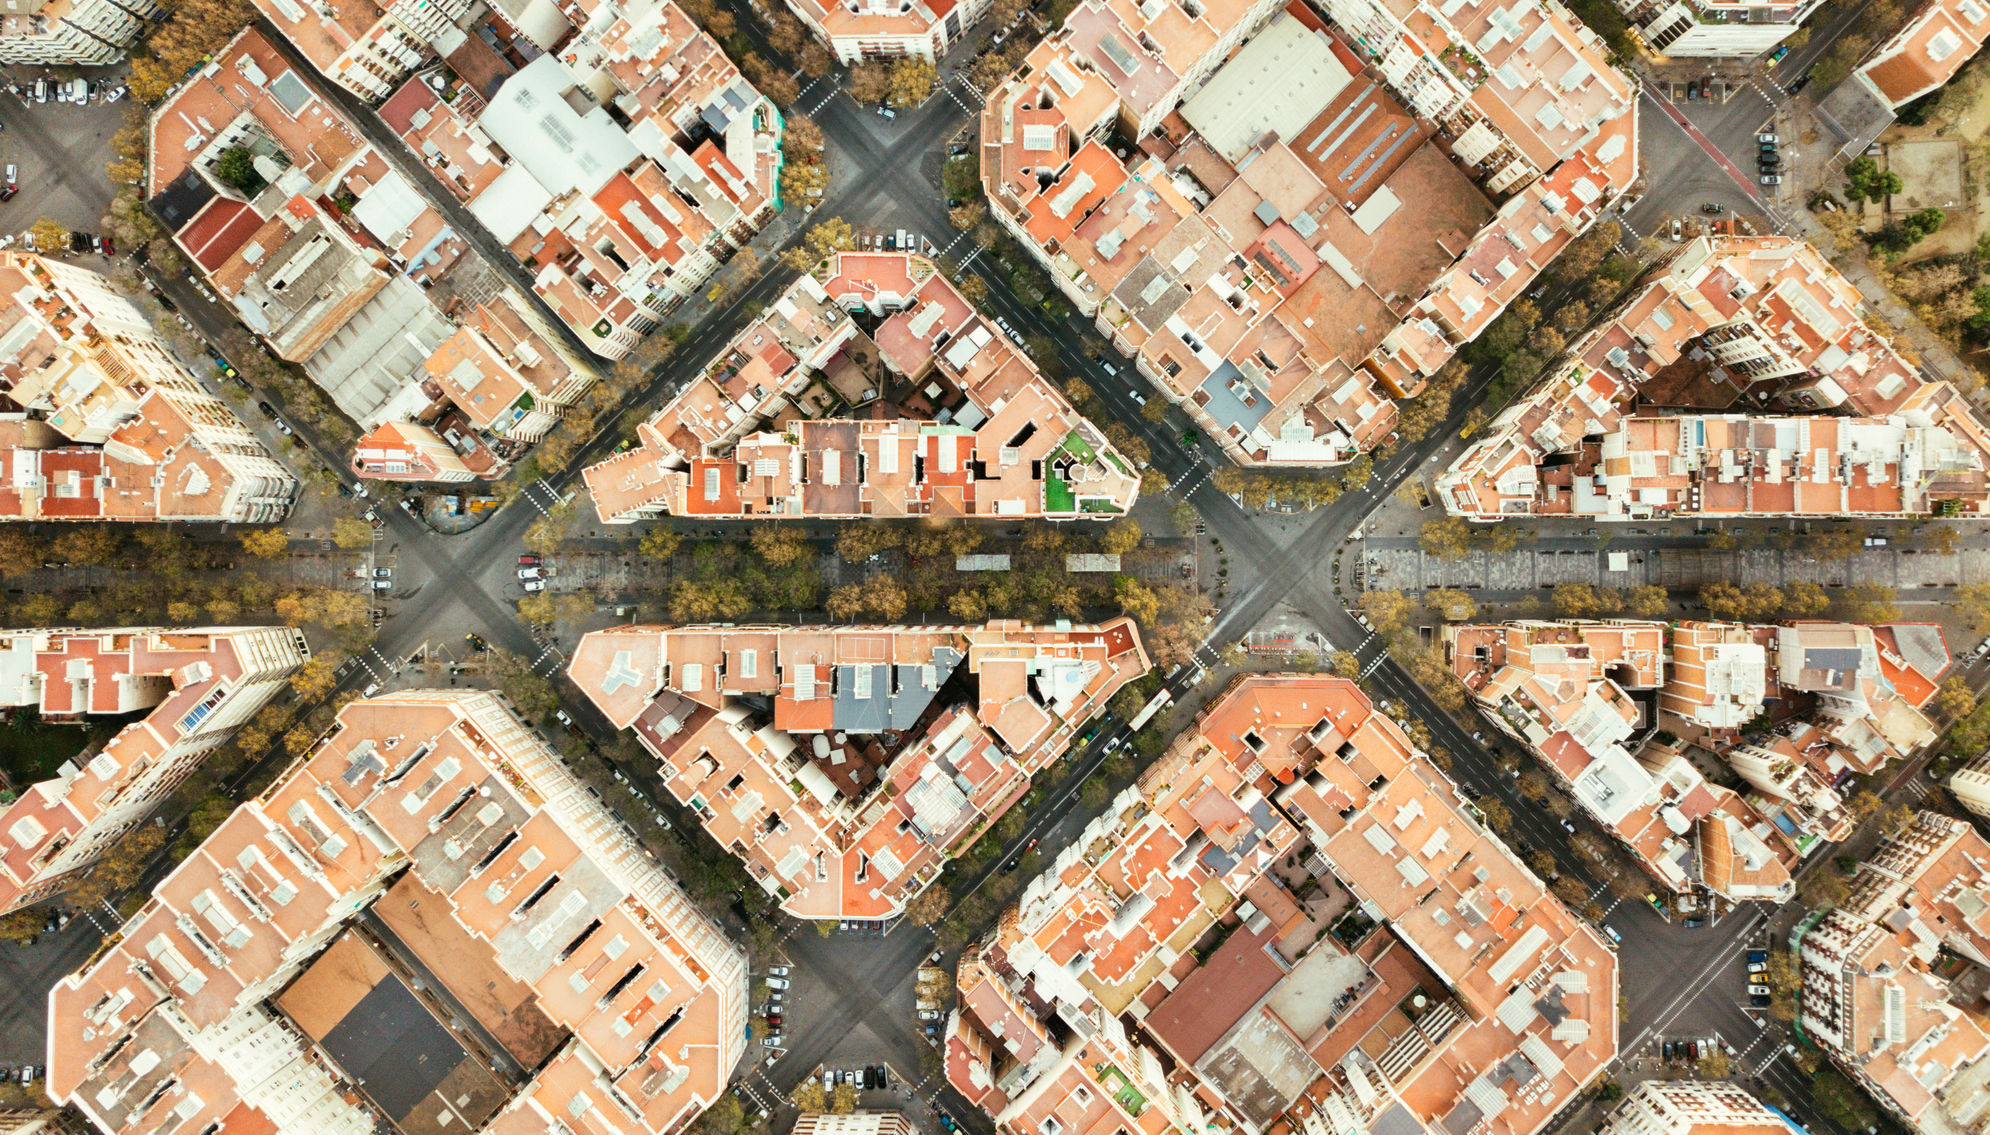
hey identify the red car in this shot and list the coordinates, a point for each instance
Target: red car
(528, 561)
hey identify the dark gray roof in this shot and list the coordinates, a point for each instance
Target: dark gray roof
(179, 202)
(1921, 645)
(876, 697)
(1225, 406)
(1832, 658)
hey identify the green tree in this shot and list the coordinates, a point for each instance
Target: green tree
(1865, 181)
(237, 167)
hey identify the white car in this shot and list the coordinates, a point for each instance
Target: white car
(530, 573)
(535, 585)
(777, 983)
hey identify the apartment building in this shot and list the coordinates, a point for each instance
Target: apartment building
(336, 261)
(623, 165)
(856, 30)
(200, 685)
(367, 47)
(1736, 326)
(853, 1123)
(1877, 974)
(78, 33)
(1696, 1107)
(409, 451)
(429, 872)
(1970, 785)
(1334, 210)
(107, 424)
(846, 765)
(1926, 52)
(1613, 708)
(1703, 29)
(934, 413)
(1292, 920)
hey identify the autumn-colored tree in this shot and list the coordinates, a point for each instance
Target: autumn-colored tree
(911, 82)
(809, 1095)
(1451, 604)
(1388, 611)
(779, 545)
(1869, 603)
(1446, 537)
(1646, 601)
(1571, 890)
(50, 236)
(548, 533)
(660, 543)
(351, 532)
(823, 240)
(860, 541)
(928, 906)
(1498, 817)
(1714, 1065)
(1121, 537)
(1804, 601)
(1346, 664)
(314, 679)
(97, 545)
(1834, 542)
(869, 82)
(266, 543)
(122, 865)
(1954, 700)
(816, 61)
(843, 1098)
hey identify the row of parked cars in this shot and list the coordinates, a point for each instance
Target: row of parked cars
(78, 92)
(1768, 158)
(869, 1077)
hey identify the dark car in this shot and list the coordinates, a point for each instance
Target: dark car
(1759, 1000)
(266, 408)
(1758, 955)
(1803, 81)
(79, 242)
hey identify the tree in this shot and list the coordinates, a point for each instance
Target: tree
(1451, 604)
(929, 905)
(780, 545)
(1825, 885)
(1955, 700)
(1646, 601)
(1804, 601)
(975, 289)
(1431, 672)
(869, 82)
(1387, 611)
(1973, 599)
(843, 1099)
(1835, 542)
(49, 235)
(660, 543)
(726, 1116)
(548, 533)
(1840, 1100)
(537, 609)
(862, 540)
(266, 543)
(237, 167)
(1865, 181)
(816, 61)
(532, 695)
(823, 240)
(1919, 226)
(809, 1095)
(121, 866)
(1121, 537)
(1346, 664)
(1714, 1065)
(1446, 537)
(351, 532)
(1498, 817)
(911, 81)
(934, 984)
(1571, 890)
(1870, 603)
(314, 679)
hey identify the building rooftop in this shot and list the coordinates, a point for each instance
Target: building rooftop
(561, 976)
(770, 428)
(1732, 321)
(1592, 698)
(1477, 1003)
(1300, 240)
(845, 765)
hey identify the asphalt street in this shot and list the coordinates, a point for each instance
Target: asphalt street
(1671, 977)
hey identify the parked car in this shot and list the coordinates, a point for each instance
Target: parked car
(1757, 989)
(528, 561)
(1678, 231)
(383, 585)
(1758, 967)
(531, 573)
(1768, 136)
(777, 983)
(535, 585)
(383, 573)
(1772, 179)
(777, 971)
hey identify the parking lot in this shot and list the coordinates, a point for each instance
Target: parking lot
(59, 151)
